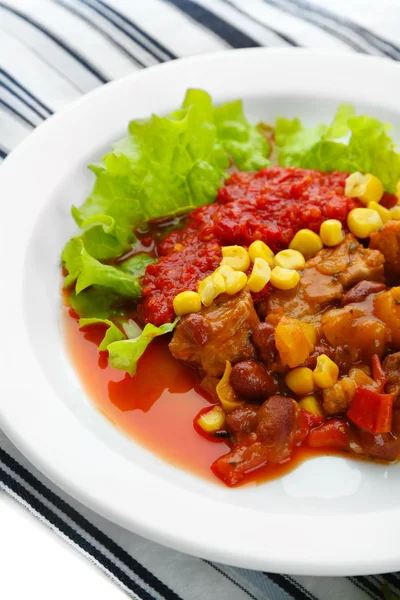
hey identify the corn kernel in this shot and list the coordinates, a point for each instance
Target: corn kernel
(307, 242)
(326, 372)
(235, 282)
(395, 213)
(331, 232)
(284, 279)
(363, 221)
(225, 271)
(300, 381)
(311, 404)
(383, 212)
(186, 302)
(213, 420)
(260, 250)
(290, 259)
(236, 257)
(211, 287)
(367, 188)
(260, 275)
(206, 291)
(218, 282)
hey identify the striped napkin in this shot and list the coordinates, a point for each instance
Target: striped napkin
(54, 51)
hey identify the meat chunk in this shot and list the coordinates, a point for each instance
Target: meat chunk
(357, 330)
(337, 398)
(361, 291)
(324, 279)
(350, 262)
(307, 301)
(391, 366)
(387, 241)
(218, 333)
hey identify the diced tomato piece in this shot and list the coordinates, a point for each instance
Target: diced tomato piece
(307, 421)
(371, 410)
(378, 373)
(312, 419)
(243, 459)
(332, 434)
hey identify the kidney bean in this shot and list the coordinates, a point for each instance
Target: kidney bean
(383, 446)
(243, 419)
(195, 328)
(391, 367)
(311, 361)
(361, 290)
(276, 419)
(251, 380)
(263, 339)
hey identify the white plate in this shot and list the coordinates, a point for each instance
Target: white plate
(330, 516)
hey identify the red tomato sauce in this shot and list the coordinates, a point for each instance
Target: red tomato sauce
(271, 205)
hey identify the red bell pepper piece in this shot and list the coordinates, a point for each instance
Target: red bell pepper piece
(307, 421)
(378, 373)
(332, 434)
(371, 410)
(242, 459)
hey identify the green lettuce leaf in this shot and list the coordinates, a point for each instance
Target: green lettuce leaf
(166, 165)
(243, 142)
(113, 334)
(368, 149)
(97, 302)
(125, 354)
(136, 266)
(86, 271)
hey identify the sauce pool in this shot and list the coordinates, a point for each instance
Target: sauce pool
(156, 408)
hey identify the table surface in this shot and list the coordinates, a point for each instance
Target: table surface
(26, 543)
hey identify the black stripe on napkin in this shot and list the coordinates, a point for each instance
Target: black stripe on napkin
(26, 91)
(238, 585)
(294, 10)
(227, 32)
(81, 522)
(3, 153)
(291, 587)
(375, 40)
(105, 34)
(57, 41)
(21, 99)
(154, 47)
(70, 533)
(16, 112)
(365, 586)
(286, 38)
